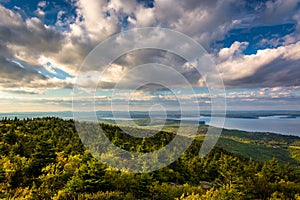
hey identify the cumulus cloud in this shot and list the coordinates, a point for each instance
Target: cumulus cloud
(205, 21)
(267, 68)
(31, 35)
(27, 44)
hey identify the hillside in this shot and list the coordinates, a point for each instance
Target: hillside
(44, 158)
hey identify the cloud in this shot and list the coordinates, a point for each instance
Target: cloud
(264, 93)
(295, 36)
(42, 4)
(267, 68)
(27, 44)
(29, 35)
(37, 86)
(265, 98)
(234, 51)
(24, 43)
(19, 78)
(278, 11)
(205, 21)
(11, 71)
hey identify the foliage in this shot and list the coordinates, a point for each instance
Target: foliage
(44, 158)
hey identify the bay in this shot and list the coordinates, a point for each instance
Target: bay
(282, 124)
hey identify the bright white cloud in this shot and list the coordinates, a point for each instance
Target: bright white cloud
(234, 65)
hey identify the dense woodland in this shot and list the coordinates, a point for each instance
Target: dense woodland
(44, 158)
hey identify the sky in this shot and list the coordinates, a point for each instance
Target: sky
(255, 46)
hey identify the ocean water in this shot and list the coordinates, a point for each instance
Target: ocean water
(262, 122)
(285, 126)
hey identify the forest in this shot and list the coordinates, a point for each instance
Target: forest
(44, 158)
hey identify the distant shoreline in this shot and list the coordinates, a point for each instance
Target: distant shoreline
(278, 122)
